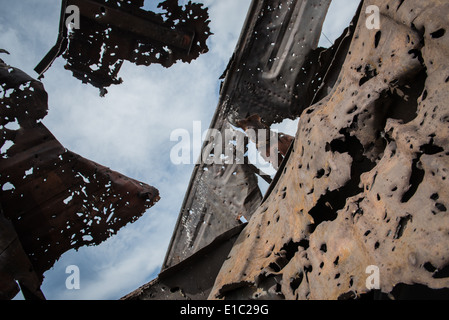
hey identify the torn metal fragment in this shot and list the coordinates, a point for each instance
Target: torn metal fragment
(110, 32)
(268, 75)
(52, 199)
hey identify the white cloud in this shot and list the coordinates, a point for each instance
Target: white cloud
(225, 16)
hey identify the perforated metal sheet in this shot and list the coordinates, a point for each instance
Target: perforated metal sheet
(52, 199)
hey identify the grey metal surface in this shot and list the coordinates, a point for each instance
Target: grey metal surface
(217, 197)
(269, 77)
(261, 79)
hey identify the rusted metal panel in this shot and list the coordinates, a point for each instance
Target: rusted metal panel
(111, 32)
(55, 199)
(365, 183)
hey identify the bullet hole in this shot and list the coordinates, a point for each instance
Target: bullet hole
(429, 267)
(323, 248)
(442, 273)
(351, 295)
(434, 196)
(377, 38)
(296, 282)
(320, 173)
(441, 207)
(370, 73)
(438, 34)
(289, 249)
(275, 267)
(431, 149)
(416, 178)
(401, 226)
(336, 261)
(352, 110)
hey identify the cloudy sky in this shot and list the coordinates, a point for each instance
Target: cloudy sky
(129, 131)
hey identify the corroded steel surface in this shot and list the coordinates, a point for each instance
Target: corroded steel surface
(52, 199)
(366, 183)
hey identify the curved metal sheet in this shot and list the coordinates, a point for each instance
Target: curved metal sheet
(54, 199)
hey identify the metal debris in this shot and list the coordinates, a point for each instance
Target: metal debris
(218, 194)
(364, 184)
(52, 199)
(366, 181)
(111, 32)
